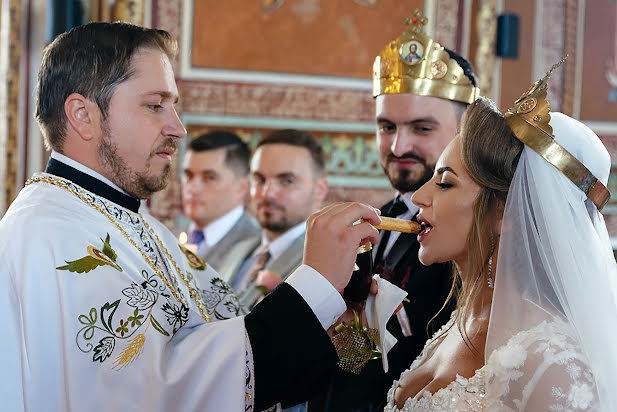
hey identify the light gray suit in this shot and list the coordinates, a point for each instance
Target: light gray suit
(283, 266)
(246, 228)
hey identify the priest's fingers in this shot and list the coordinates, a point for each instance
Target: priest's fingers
(332, 239)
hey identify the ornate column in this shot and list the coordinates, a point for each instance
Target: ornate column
(486, 28)
(10, 56)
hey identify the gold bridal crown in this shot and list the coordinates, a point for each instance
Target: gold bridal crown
(414, 63)
(529, 120)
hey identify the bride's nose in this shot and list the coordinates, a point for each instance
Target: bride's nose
(422, 197)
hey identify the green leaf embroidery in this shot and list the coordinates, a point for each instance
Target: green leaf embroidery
(85, 264)
(94, 259)
(108, 251)
(158, 326)
(111, 308)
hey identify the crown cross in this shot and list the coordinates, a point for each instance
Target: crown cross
(417, 22)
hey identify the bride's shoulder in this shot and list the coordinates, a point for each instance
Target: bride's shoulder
(548, 339)
(545, 359)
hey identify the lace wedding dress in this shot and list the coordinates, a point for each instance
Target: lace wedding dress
(541, 369)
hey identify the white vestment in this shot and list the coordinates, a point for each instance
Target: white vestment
(89, 325)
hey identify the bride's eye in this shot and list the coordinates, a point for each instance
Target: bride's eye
(444, 186)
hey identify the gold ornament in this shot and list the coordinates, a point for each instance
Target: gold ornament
(355, 345)
(529, 120)
(414, 63)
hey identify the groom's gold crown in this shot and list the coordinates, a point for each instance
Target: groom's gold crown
(414, 63)
(529, 119)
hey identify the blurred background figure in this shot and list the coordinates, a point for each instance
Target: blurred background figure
(214, 188)
(287, 184)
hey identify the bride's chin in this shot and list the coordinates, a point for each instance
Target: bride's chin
(424, 257)
(427, 258)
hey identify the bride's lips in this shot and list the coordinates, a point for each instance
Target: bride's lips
(426, 228)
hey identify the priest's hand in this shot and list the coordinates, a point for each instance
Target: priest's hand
(333, 238)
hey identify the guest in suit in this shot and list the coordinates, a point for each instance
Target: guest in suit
(287, 184)
(417, 115)
(214, 188)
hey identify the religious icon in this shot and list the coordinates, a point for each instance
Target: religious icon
(412, 52)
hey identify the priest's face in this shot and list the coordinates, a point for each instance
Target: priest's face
(412, 131)
(284, 187)
(142, 129)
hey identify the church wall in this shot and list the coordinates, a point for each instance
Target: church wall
(322, 83)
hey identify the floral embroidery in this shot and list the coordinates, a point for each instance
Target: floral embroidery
(177, 315)
(142, 299)
(220, 300)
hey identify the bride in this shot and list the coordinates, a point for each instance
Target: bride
(537, 281)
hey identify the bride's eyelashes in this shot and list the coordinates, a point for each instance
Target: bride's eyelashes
(444, 186)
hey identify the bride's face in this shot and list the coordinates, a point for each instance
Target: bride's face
(446, 208)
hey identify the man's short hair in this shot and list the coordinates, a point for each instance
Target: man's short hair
(301, 139)
(91, 60)
(237, 153)
(460, 107)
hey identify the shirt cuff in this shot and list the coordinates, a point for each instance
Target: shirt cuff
(323, 299)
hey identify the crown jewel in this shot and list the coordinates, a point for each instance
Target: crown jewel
(529, 120)
(414, 63)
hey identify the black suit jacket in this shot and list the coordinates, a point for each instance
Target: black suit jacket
(292, 353)
(427, 288)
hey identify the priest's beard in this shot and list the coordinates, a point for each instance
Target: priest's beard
(138, 184)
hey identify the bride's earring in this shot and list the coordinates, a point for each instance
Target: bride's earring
(490, 272)
(490, 264)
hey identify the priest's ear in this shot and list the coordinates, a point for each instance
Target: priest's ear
(84, 116)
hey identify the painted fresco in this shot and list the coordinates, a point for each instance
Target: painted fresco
(317, 37)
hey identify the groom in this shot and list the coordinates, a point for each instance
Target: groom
(417, 115)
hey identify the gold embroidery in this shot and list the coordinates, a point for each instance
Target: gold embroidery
(130, 352)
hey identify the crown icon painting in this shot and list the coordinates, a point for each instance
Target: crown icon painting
(414, 63)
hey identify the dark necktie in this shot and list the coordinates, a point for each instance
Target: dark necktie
(397, 208)
(196, 237)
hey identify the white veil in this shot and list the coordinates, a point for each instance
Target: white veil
(555, 262)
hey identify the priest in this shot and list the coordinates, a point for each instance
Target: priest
(101, 306)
